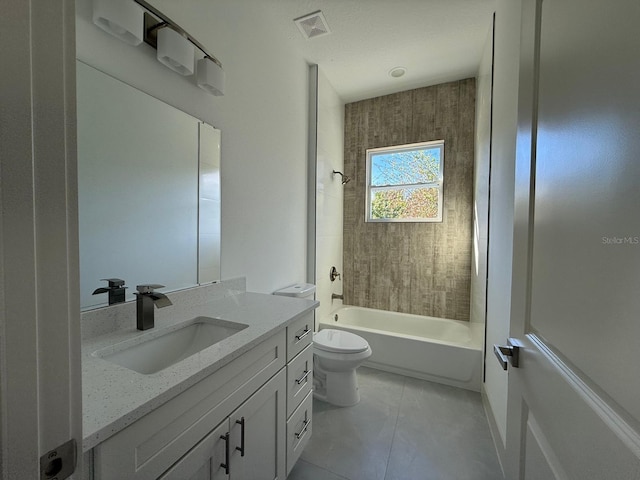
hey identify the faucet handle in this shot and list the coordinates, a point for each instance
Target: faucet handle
(333, 274)
(148, 288)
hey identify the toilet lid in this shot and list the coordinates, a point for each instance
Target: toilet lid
(338, 341)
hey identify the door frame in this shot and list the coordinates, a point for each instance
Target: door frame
(506, 51)
(522, 219)
(41, 406)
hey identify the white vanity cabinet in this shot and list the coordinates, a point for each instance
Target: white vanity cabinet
(299, 387)
(259, 404)
(247, 445)
(153, 444)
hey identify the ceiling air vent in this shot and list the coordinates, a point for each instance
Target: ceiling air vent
(313, 25)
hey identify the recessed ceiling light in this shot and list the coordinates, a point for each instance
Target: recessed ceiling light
(397, 72)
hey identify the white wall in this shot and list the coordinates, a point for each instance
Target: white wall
(329, 194)
(481, 184)
(263, 119)
(503, 143)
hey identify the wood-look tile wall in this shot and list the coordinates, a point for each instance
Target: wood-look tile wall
(420, 268)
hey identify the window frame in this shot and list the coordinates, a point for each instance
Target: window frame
(438, 184)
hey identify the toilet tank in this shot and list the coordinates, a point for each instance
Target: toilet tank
(299, 290)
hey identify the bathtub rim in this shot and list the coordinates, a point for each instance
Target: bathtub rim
(476, 329)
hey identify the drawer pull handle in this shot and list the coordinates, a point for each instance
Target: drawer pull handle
(241, 447)
(304, 429)
(225, 465)
(306, 332)
(303, 378)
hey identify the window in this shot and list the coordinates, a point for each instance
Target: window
(404, 183)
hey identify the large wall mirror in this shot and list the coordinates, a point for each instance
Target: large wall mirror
(148, 190)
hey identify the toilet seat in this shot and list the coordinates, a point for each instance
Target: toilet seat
(338, 341)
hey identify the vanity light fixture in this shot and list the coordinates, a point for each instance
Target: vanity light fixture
(120, 18)
(175, 51)
(210, 76)
(134, 21)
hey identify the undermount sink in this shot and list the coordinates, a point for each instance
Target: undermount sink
(163, 348)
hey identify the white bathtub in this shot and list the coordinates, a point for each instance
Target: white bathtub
(435, 349)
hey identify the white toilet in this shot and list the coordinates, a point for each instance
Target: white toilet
(336, 355)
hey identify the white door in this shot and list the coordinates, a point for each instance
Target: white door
(40, 407)
(574, 403)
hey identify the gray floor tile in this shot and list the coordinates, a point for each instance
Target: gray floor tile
(441, 434)
(355, 442)
(402, 429)
(308, 471)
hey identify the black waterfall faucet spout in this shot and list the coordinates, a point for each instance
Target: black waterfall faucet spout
(146, 299)
(116, 290)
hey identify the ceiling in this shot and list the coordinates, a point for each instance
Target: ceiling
(435, 40)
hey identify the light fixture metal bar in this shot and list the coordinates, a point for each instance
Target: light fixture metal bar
(150, 28)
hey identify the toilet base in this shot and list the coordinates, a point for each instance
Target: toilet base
(339, 388)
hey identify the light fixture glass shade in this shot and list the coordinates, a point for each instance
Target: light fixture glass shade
(175, 51)
(121, 18)
(210, 77)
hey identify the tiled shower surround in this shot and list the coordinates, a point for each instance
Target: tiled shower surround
(419, 268)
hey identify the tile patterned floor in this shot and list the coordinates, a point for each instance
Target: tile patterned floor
(402, 429)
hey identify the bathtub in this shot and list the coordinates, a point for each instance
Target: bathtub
(435, 349)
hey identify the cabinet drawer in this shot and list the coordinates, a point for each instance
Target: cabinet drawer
(299, 378)
(299, 335)
(299, 431)
(152, 444)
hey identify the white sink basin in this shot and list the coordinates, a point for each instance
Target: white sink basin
(163, 348)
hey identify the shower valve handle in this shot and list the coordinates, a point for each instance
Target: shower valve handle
(333, 274)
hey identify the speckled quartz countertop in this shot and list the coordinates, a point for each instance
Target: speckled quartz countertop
(114, 396)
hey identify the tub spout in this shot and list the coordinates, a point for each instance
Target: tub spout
(335, 296)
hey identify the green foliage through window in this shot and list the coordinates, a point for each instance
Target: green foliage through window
(405, 183)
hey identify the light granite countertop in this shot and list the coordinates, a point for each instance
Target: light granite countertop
(115, 397)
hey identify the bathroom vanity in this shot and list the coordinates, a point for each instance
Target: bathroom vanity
(220, 386)
(238, 409)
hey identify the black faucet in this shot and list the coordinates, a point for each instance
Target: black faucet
(146, 299)
(115, 290)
